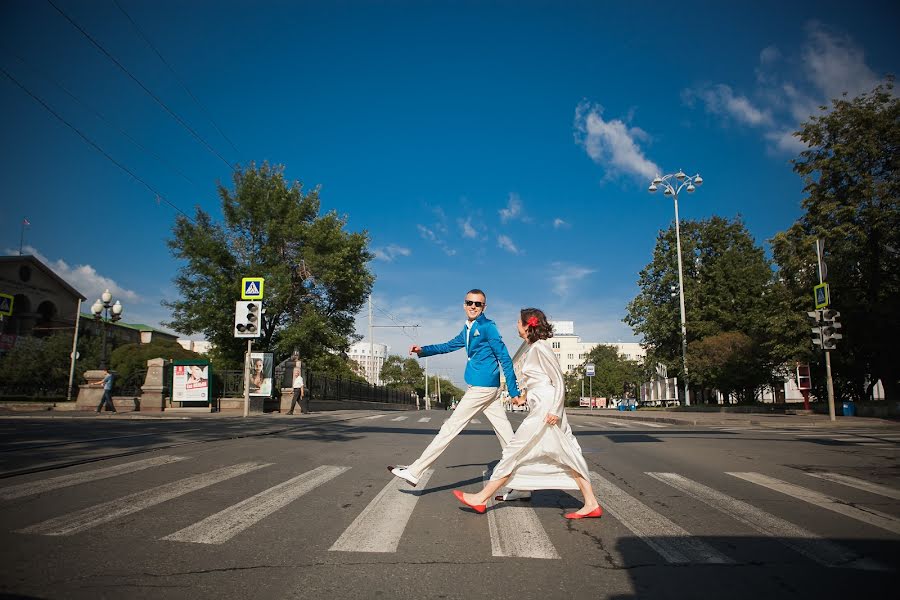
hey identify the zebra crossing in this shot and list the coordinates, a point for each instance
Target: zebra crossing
(516, 530)
(871, 438)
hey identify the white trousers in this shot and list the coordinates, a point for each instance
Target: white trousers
(476, 400)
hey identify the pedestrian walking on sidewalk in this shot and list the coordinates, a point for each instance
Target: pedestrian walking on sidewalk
(107, 383)
(299, 396)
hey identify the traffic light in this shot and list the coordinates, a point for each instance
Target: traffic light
(815, 317)
(830, 327)
(247, 319)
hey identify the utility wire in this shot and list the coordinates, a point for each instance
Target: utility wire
(159, 196)
(177, 77)
(138, 81)
(99, 115)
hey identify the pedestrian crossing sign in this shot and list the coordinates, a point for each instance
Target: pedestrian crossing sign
(252, 288)
(6, 304)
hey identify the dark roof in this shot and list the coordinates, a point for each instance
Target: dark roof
(27, 258)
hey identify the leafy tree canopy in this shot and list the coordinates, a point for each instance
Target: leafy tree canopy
(852, 186)
(316, 272)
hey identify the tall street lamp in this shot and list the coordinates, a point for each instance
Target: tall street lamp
(104, 312)
(672, 184)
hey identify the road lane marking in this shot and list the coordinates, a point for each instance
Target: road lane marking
(399, 418)
(860, 484)
(379, 527)
(375, 417)
(869, 515)
(107, 511)
(672, 542)
(516, 531)
(616, 424)
(424, 419)
(649, 424)
(55, 483)
(224, 525)
(805, 542)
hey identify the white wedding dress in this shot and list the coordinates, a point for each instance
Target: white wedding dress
(542, 456)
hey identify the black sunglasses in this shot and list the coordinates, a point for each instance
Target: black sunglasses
(474, 303)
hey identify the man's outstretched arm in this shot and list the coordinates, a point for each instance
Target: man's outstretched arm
(454, 344)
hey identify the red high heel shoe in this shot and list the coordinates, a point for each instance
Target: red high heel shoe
(594, 514)
(479, 508)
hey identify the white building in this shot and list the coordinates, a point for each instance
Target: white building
(571, 351)
(370, 358)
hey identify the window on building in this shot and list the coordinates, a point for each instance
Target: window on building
(571, 356)
(556, 345)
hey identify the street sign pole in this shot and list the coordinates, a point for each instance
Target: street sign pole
(247, 378)
(820, 258)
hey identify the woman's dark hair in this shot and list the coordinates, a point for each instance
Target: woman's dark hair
(542, 331)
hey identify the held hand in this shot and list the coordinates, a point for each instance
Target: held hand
(415, 350)
(518, 400)
(552, 420)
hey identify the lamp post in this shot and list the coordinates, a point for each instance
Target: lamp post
(672, 184)
(105, 311)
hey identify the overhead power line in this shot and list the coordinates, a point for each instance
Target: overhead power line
(99, 115)
(177, 77)
(142, 86)
(159, 196)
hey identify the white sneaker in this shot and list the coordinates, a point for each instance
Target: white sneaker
(513, 495)
(404, 474)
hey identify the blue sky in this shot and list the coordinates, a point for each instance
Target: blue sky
(506, 145)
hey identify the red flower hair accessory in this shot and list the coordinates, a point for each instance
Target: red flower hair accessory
(532, 321)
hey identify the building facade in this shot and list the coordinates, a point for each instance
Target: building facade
(370, 358)
(571, 351)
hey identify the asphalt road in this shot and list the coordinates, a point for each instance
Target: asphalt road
(302, 507)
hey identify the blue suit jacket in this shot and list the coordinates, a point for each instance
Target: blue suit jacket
(486, 351)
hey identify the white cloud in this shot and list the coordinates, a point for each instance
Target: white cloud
(513, 208)
(791, 91)
(83, 278)
(612, 144)
(721, 100)
(467, 230)
(431, 236)
(559, 223)
(507, 244)
(565, 276)
(835, 64)
(390, 252)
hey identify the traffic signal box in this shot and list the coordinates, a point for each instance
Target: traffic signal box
(247, 317)
(825, 333)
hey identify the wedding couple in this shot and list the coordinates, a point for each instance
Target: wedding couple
(543, 453)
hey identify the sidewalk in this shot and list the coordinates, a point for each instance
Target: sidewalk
(735, 419)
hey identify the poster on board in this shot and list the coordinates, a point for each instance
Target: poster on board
(261, 373)
(190, 381)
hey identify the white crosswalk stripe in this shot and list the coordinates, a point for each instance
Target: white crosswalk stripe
(374, 417)
(424, 419)
(55, 483)
(869, 515)
(799, 539)
(399, 418)
(475, 421)
(516, 531)
(657, 425)
(860, 484)
(616, 424)
(671, 541)
(224, 525)
(379, 527)
(107, 511)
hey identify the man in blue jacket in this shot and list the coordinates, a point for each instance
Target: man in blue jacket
(486, 351)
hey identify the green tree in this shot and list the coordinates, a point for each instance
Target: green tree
(729, 363)
(44, 362)
(129, 358)
(316, 272)
(727, 287)
(403, 373)
(614, 375)
(852, 187)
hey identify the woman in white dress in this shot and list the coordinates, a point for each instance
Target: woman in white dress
(543, 453)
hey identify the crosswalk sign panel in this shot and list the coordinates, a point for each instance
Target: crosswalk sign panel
(6, 305)
(252, 288)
